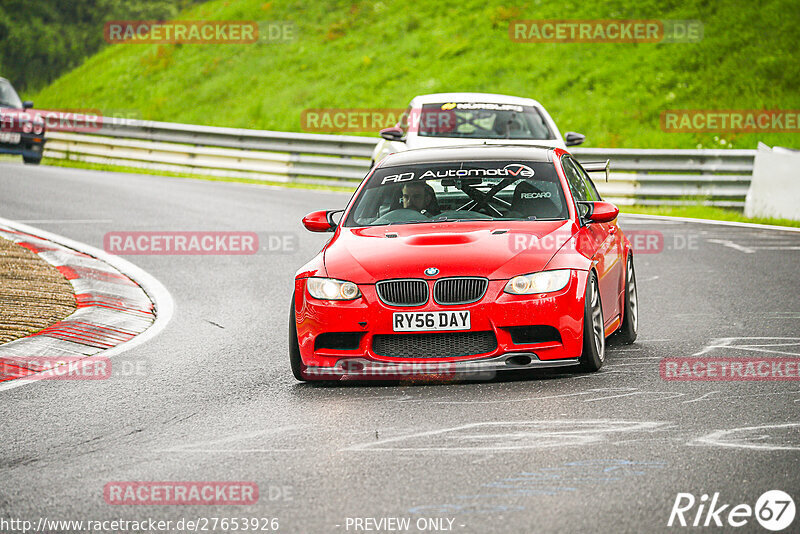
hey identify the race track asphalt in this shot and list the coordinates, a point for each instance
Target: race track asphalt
(549, 451)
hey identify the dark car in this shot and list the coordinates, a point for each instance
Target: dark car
(20, 132)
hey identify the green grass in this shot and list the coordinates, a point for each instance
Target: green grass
(379, 54)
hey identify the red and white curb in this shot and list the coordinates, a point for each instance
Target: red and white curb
(119, 306)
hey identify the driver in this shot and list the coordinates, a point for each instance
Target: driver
(420, 196)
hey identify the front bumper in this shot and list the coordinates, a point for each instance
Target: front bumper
(30, 146)
(497, 312)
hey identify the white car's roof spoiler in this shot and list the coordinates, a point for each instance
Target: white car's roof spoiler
(597, 166)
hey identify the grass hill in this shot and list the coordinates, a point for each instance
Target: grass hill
(380, 54)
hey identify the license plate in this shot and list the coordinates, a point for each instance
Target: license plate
(9, 137)
(430, 321)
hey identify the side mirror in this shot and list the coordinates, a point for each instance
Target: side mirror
(394, 133)
(574, 138)
(600, 212)
(321, 221)
(28, 104)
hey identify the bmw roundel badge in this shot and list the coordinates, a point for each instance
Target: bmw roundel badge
(431, 271)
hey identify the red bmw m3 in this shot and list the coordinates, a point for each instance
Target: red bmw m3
(461, 261)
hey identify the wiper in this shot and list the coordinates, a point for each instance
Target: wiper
(401, 222)
(445, 218)
(441, 218)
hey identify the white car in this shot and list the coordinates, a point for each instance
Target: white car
(444, 119)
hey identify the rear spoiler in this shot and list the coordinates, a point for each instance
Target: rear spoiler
(597, 166)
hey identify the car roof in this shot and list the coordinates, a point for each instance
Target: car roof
(446, 154)
(438, 98)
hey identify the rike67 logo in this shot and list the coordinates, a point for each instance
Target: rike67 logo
(774, 510)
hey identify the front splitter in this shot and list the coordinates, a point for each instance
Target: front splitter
(485, 369)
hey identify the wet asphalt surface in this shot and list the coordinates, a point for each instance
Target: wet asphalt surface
(544, 451)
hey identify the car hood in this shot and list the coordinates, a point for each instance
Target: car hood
(496, 250)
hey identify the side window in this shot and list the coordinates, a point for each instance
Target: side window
(538, 125)
(591, 190)
(576, 183)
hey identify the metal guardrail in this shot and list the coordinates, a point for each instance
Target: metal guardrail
(672, 176)
(640, 176)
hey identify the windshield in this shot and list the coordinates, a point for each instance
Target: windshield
(8, 96)
(475, 190)
(483, 121)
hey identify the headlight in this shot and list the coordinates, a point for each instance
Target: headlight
(542, 282)
(27, 126)
(38, 125)
(330, 289)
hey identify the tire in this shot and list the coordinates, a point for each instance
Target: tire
(32, 161)
(294, 346)
(630, 316)
(594, 339)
